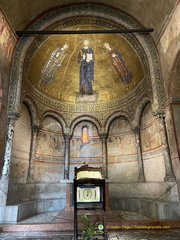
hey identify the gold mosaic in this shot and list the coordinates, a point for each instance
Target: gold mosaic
(54, 69)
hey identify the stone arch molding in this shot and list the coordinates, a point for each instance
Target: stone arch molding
(137, 118)
(81, 9)
(89, 119)
(113, 117)
(56, 116)
(32, 107)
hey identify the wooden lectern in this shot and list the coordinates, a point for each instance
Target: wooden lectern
(89, 192)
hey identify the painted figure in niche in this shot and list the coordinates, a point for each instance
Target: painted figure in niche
(7, 43)
(1, 25)
(119, 64)
(86, 59)
(50, 67)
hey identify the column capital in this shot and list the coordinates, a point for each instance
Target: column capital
(35, 128)
(67, 135)
(136, 129)
(13, 115)
(103, 135)
(159, 114)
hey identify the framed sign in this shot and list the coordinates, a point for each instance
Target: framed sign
(88, 194)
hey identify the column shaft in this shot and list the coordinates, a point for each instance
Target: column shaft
(30, 176)
(167, 159)
(139, 156)
(67, 156)
(4, 182)
(104, 154)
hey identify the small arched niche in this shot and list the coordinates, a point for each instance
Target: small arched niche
(85, 146)
(49, 163)
(151, 145)
(21, 147)
(122, 153)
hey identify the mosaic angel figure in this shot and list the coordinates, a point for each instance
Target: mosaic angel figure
(50, 67)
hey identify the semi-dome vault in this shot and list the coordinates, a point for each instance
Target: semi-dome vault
(125, 66)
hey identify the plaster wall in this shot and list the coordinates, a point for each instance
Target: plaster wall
(122, 153)
(176, 111)
(151, 145)
(151, 13)
(89, 152)
(21, 147)
(168, 46)
(49, 159)
(173, 136)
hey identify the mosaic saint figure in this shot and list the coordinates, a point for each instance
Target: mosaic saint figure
(50, 67)
(119, 64)
(86, 60)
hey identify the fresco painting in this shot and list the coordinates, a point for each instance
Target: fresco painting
(122, 152)
(151, 144)
(150, 131)
(89, 152)
(7, 39)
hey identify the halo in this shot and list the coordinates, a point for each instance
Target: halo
(89, 39)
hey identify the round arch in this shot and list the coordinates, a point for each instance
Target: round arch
(139, 110)
(113, 117)
(55, 115)
(86, 118)
(33, 110)
(173, 89)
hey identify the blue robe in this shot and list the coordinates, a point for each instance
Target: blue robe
(86, 71)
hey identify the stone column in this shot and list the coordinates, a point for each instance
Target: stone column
(4, 182)
(8, 150)
(103, 137)
(167, 159)
(67, 155)
(139, 155)
(34, 132)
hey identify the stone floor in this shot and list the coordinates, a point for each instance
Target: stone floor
(120, 235)
(56, 216)
(122, 232)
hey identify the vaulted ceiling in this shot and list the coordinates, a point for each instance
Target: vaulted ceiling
(150, 13)
(110, 93)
